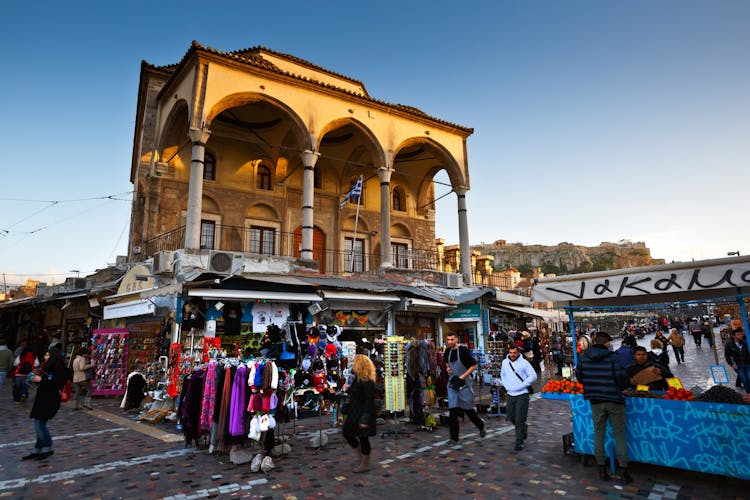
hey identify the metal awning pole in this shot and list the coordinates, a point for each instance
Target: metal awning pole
(743, 313)
(573, 333)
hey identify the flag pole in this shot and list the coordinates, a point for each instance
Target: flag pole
(354, 240)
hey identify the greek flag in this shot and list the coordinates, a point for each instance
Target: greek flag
(354, 192)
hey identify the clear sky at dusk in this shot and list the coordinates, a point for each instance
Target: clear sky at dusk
(594, 120)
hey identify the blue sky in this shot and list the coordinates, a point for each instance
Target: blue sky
(594, 120)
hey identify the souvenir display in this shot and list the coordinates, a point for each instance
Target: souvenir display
(110, 356)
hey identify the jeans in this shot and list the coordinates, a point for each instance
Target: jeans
(2, 378)
(615, 413)
(20, 388)
(743, 371)
(43, 437)
(517, 409)
(679, 353)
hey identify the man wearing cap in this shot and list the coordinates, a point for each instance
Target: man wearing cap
(604, 379)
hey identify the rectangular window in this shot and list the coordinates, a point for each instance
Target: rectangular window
(208, 234)
(262, 240)
(356, 257)
(400, 255)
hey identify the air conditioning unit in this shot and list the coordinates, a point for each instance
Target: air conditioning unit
(163, 262)
(75, 283)
(453, 280)
(224, 262)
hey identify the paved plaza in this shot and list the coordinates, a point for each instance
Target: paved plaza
(107, 454)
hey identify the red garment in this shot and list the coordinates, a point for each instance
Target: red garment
(28, 358)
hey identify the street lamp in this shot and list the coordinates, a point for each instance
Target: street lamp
(737, 253)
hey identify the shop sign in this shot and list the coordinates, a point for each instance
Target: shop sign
(354, 319)
(137, 278)
(646, 283)
(463, 312)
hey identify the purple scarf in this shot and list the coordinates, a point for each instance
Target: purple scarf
(238, 406)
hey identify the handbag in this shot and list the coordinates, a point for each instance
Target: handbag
(66, 391)
(529, 389)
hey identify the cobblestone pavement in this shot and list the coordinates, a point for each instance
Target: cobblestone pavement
(107, 454)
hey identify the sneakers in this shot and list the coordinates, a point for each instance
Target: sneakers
(519, 447)
(30, 456)
(453, 442)
(45, 454)
(483, 430)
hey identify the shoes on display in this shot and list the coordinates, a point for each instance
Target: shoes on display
(30, 456)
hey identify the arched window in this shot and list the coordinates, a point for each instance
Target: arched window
(399, 200)
(209, 167)
(264, 177)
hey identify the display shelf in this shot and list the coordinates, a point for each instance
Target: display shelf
(110, 358)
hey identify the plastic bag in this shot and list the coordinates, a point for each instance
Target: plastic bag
(66, 391)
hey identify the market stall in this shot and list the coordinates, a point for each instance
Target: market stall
(698, 436)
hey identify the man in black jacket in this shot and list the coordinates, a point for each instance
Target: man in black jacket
(604, 379)
(738, 357)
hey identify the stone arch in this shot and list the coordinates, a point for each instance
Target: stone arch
(362, 226)
(375, 148)
(262, 211)
(175, 131)
(455, 172)
(399, 230)
(299, 131)
(210, 205)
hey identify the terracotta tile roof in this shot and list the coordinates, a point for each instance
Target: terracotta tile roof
(250, 57)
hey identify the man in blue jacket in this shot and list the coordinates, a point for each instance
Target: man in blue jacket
(604, 379)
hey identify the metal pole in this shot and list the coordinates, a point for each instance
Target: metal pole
(743, 312)
(354, 240)
(711, 332)
(573, 333)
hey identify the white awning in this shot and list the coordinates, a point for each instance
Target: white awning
(428, 304)
(357, 297)
(162, 291)
(219, 294)
(129, 294)
(127, 309)
(530, 311)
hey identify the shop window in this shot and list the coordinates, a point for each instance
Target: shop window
(354, 261)
(264, 178)
(209, 167)
(208, 234)
(262, 240)
(400, 255)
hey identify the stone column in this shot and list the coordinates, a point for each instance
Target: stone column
(384, 174)
(463, 236)
(309, 158)
(195, 189)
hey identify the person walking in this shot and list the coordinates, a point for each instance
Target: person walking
(517, 375)
(459, 365)
(6, 361)
(677, 340)
(696, 330)
(603, 379)
(737, 356)
(24, 364)
(82, 383)
(658, 353)
(51, 379)
(360, 422)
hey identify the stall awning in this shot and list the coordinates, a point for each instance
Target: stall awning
(359, 297)
(139, 307)
(219, 294)
(530, 311)
(162, 291)
(428, 304)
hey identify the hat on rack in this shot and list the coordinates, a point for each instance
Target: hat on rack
(273, 402)
(331, 351)
(306, 364)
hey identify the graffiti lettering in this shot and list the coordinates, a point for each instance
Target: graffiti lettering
(602, 287)
(726, 278)
(665, 284)
(632, 286)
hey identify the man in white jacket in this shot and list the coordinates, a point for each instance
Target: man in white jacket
(517, 375)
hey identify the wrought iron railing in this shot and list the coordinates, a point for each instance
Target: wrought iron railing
(270, 242)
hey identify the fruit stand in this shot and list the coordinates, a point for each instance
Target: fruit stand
(671, 430)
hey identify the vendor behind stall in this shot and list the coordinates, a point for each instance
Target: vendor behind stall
(645, 372)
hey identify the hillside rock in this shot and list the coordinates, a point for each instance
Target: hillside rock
(568, 258)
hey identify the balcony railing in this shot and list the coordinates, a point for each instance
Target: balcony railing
(275, 243)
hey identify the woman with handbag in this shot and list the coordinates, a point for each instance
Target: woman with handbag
(82, 368)
(51, 380)
(360, 422)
